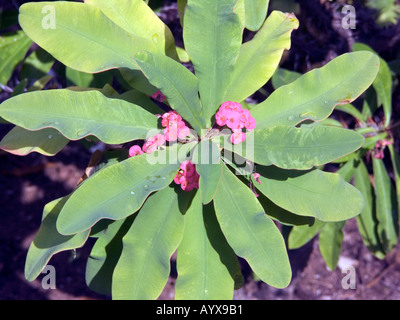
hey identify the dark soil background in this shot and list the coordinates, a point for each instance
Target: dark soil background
(28, 183)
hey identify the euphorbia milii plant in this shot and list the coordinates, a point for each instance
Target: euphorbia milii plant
(209, 174)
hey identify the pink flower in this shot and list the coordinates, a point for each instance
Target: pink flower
(149, 147)
(236, 118)
(238, 137)
(171, 134)
(256, 177)
(158, 96)
(233, 120)
(187, 177)
(158, 140)
(250, 124)
(135, 151)
(221, 118)
(183, 133)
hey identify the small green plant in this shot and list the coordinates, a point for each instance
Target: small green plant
(207, 174)
(378, 223)
(388, 11)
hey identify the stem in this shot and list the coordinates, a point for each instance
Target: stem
(393, 126)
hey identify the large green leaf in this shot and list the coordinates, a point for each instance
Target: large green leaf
(119, 190)
(367, 221)
(325, 196)
(36, 65)
(330, 243)
(296, 148)
(22, 142)
(259, 58)
(213, 35)
(90, 41)
(143, 269)
(300, 235)
(250, 233)
(48, 241)
(315, 94)
(395, 157)
(207, 158)
(13, 48)
(255, 13)
(207, 267)
(176, 82)
(105, 255)
(80, 114)
(136, 17)
(283, 77)
(386, 209)
(382, 83)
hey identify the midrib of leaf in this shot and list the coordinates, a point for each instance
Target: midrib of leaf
(102, 44)
(156, 236)
(272, 34)
(317, 98)
(187, 103)
(244, 222)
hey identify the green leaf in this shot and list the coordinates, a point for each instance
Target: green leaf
(105, 255)
(94, 43)
(181, 9)
(22, 142)
(176, 82)
(367, 221)
(143, 269)
(207, 266)
(281, 215)
(325, 196)
(300, 235)
(119, 190)
(395, 157)
(137, 18)
(283, 77)
(250, 233)
(315, 94)
(80, 114)
(386, 209)
(207, 158)
(330, 243)
(213, 35)
(351, 110)
(382, 83)
(48, 241)
(256, 12)
(259, 58)
(37, 65)
(13, 48)
(296, 148)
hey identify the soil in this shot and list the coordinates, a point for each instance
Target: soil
(28, 183)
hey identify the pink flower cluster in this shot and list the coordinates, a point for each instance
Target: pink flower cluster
(175, 127)
(187, 177)
(232, 115)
